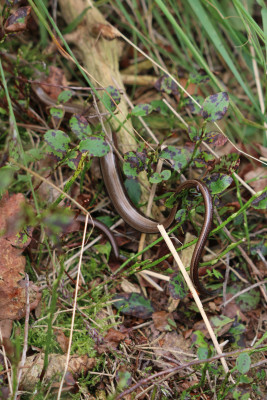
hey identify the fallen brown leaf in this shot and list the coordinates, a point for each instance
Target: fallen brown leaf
(162, 321)
(12, 263)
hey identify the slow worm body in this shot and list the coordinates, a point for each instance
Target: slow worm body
(125, 208)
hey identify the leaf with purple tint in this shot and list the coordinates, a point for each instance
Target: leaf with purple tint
(141, 110)
(204, 159)
(180, 157)
(17, 22)
(64, 96)
(135, 162)
(199, 77)
(215, 106)
(57, 113)
(160, 107)
(134, 304)
(228, 163)
(167, 85)
(261, 202)
(216, 138)
(218, 182)
(57, 140)
(74, 157)
(111, 98)
(194, 133)
(180, 216)
(177, 286)
(193, 107)
(80, 126)
(95, 146)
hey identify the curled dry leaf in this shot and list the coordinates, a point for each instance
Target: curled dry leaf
(163, 321)
(108, 32)
(62, 339)
(34, 365)
(12, 263)
(17, 22)
(111, 340)
(53, 84)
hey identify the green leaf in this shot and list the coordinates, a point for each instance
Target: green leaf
(180, 216)
(33, 154)
(161, 107)
(74, 157)
(135, 162)
(261, 202)
(141, 110)
(217, 183)
(215, 106)
(64, 96)
(202, 353)
(80, 126)
(243, 363)
(159, 177)
(95, 145)
(193, 107)
(133, 189)
(177, 286)
(57, 140)
(57, 113)
(200, 77)
(247, 301)
(198, 339)
(6, 177)
(167, 85)
(134, 304)
(194, 133)
(111, 98)
(103, 249)
(179, 156)
(204, 159)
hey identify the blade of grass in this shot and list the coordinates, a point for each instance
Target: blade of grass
(218, 43)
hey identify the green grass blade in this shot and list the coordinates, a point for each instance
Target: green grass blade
(216, 40)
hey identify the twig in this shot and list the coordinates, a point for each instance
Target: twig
(74, 310)
(26, 332)
(149, 280)
(194, 293)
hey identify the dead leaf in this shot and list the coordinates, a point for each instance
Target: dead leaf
(12, 263)
(129, 287)
(17, 22)
(53, 84)
(62, 339)
(163, 321)
(260, 175)
(114, 337)
(173, 345)
(56, 364)
(108, 32)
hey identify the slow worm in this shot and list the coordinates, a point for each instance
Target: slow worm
(126, 209)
